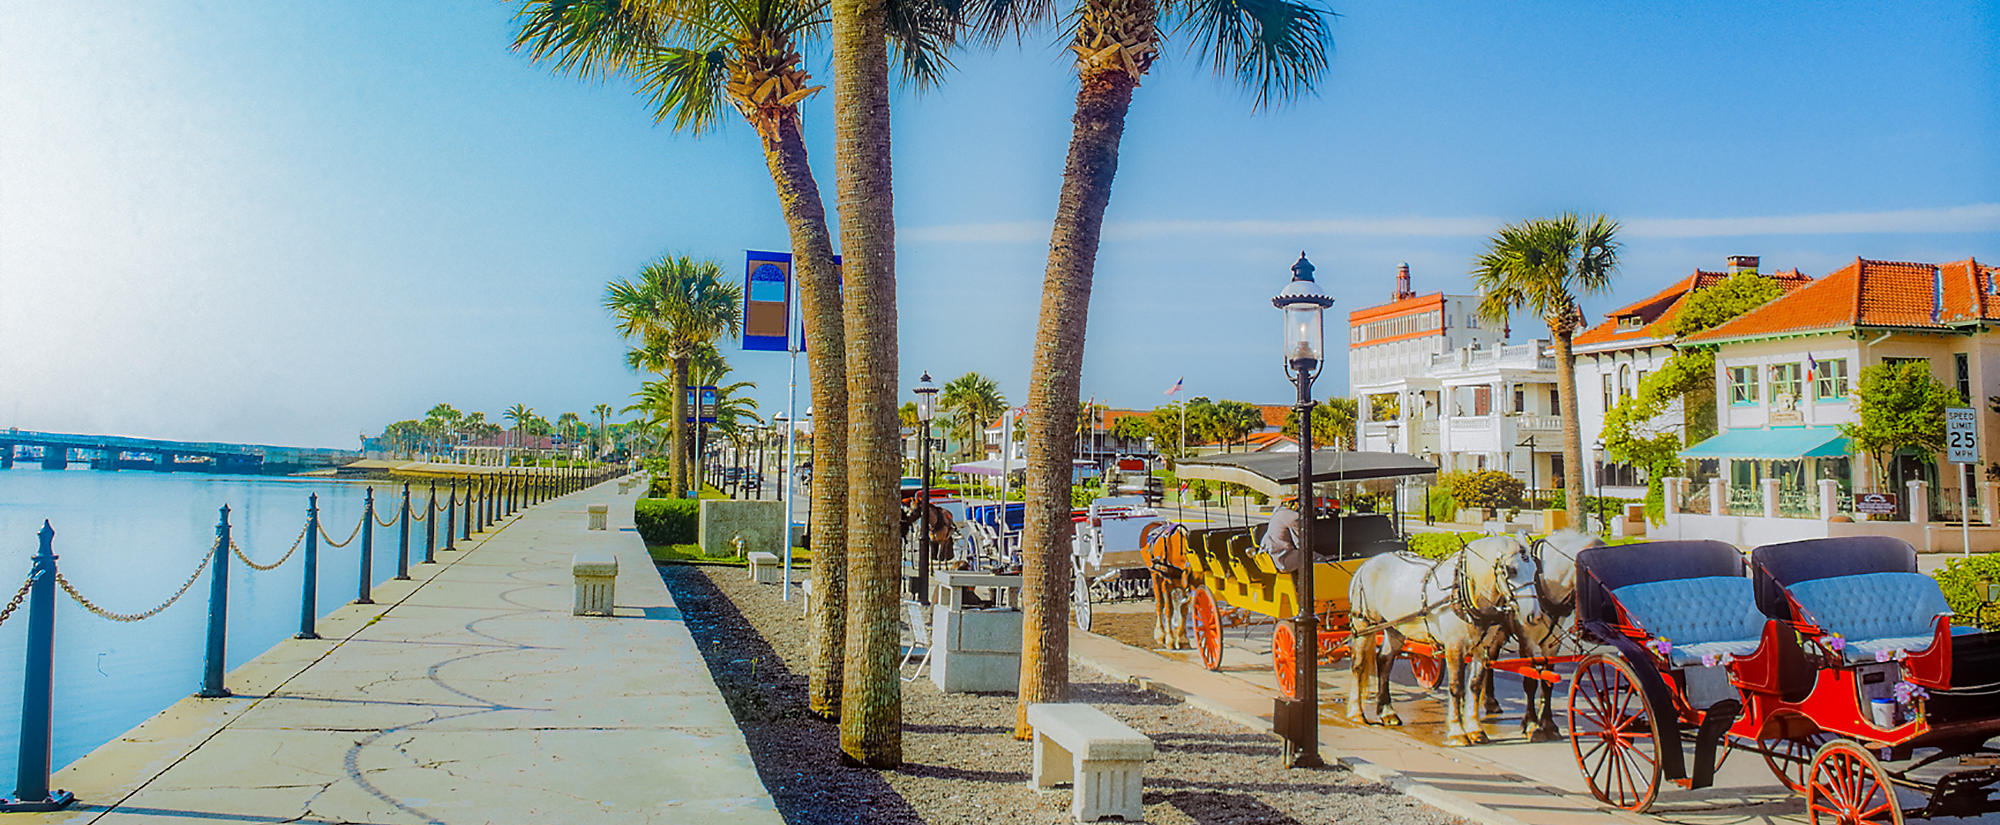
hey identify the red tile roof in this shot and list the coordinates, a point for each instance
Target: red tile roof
(1867, 293)
(1657, 313)
(1392, 309)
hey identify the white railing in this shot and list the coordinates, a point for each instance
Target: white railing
(1516, 356)
(1538, 422)
(1472, 423)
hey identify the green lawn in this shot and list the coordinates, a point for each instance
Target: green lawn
(691, 554)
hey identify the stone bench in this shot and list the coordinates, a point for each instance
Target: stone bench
(596, 577)
(599, 515)
(1103, 759)
(764, 567)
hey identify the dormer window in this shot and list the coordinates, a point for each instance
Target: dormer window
(1630, 322)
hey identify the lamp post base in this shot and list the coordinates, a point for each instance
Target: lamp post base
(1297, 723)
(57, 801)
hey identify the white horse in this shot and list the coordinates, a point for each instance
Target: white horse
(1465, 605)
(1546, 632)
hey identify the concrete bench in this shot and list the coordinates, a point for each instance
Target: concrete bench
(599, 514)
(1103, 758)
(596, 577)
(764, 567)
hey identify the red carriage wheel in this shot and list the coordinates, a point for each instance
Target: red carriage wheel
(1613, 734)
(1789, 757)
(1429, 671)
(1285, 658)
(1847, 786)
(1207, 628)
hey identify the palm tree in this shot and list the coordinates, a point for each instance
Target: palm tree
(1544, 266)
(519, 415)
(602, 411)
(676, 306)
(972, 400)
(1275, 47)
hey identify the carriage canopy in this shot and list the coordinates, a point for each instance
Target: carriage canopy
(1277, 474)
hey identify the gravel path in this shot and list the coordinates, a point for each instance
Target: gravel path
(961, 762)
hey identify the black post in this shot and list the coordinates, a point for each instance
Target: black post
(403, 538)
(1302, 739)
(31, 786)
(367, 547)
(431, 526)
(309, 600)
(218, 613)
(923, 513)
(514, 490)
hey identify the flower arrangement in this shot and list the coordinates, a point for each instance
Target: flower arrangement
(1890, 655)
(1660, 645)
(1833, 642)
(1907, 693)
(1713, 659)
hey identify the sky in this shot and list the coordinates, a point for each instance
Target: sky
(294, 223)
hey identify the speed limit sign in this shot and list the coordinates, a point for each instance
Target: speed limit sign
(1961, 435)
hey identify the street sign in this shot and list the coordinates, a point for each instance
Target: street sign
(1961, 435)
(1875, 504)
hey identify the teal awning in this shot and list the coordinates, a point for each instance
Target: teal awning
(1772, 443)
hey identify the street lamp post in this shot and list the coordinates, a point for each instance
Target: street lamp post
(1296, 718)
(926, 410)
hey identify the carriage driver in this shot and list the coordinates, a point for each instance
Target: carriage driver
(1281, 535)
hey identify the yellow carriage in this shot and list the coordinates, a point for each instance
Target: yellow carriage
(1229, 582)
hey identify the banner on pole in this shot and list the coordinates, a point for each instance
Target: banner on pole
(701, 405)
(767, 301)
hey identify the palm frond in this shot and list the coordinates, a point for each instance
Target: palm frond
(589, 38)
(1277, 48)
(684, 84)
(993, 21)
(922, 33)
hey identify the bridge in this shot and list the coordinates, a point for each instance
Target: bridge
(56, 451)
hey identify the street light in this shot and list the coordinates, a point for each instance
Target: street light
(926, 410)
(1296, 718)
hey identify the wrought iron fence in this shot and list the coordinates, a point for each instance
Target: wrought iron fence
(1798, 504)
(1746, 501)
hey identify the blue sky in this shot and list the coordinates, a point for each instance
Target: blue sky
(295, 222)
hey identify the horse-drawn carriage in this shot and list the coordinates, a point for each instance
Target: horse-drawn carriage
(1833, 659)
(1107, 556)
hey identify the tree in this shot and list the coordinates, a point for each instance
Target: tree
(518, 415)
(1235, 420)
(1899, 406)
(1333, 423)
(1129, 429)
(972, 401)
(603, 411)
(1544, 266)
(677, 305)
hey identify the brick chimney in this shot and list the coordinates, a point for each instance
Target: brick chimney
(1403, 283)
(1742, 263)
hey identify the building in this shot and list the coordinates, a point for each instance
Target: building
(1388, 342)
(1630, 344)
(1786, 374)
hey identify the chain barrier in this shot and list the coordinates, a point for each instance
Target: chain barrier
(135, 617)
(234, 548)
(15, 603)
(350, 536)
(390, 523)
(417, 516)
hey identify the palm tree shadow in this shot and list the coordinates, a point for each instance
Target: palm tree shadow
(1223, 806)
(796, 753)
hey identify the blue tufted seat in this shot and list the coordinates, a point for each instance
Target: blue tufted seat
(1699, 616)
(1875, 612)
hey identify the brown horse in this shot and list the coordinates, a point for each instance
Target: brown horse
(1164, 546)
(938, 523)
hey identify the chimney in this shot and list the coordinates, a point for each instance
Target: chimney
(1743, 263)
(1403, 283)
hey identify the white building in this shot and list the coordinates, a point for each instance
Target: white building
(1389, 351)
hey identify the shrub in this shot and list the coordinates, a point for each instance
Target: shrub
(1442, 506)
(1959, 579)
(1484, 488)
(1439, 545)
(667, 520)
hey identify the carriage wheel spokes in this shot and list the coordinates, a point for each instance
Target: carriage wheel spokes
(1790, 757)
(1428, 670)
(1847, 786)
(1285, 659)
(1207, 628)
(1612, 733)
(1080, 602)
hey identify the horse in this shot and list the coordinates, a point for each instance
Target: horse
(938, 523)
(1465, 605)
(1544, 632)
(1164, 546)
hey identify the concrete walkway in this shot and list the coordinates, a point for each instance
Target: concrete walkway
(468, 695)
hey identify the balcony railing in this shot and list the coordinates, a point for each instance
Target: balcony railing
(1528, 421)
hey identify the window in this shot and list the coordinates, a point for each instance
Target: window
(1629, 322)
(1624, 380)
(1607, 392)
(1964, 368)
(1472, 320)
(1742, 385)
(1482, 400)
(1520, 400)
(1785, 381)
(1830, 380)
(1555, 403)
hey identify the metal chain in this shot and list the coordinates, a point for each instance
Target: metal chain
(350, 536)
(416, 516)
(390, 523)
(15, 603)
(134, 617)
(281, 559)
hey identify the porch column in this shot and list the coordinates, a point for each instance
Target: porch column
(1989, 498)
(1829, 499)
(1361, 419)
(1770, 486)
(1919, 501)
(1670, 495)
(1718, 496)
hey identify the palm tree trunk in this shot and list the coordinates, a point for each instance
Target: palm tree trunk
(819, 298)
(871, 708)
(1572, 429)
(678, 453)
(1054, 383)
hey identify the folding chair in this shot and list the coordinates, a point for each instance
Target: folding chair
(920, 636)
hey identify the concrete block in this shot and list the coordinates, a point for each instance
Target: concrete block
(596, 577)
(977, 650)
(764, 567)
(600, 514)
(757, 525)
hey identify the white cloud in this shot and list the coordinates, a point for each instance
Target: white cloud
(1979, 217)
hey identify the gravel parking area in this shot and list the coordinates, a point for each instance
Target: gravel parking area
(962, 764)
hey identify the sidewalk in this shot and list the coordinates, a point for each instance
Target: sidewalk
(469, 695)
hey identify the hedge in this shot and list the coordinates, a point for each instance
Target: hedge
(1959, 579)
(1442, 506)
(1440, 545)
(667, 520)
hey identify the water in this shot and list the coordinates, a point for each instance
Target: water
(126, 540)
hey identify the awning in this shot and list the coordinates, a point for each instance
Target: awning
(1772, 443)
(1278, 473)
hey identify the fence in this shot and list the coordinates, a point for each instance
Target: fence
(486, 500)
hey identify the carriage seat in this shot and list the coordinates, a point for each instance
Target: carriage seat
(1705, 615)
(1875, 612)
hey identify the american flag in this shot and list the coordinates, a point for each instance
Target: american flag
(1177, 385)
